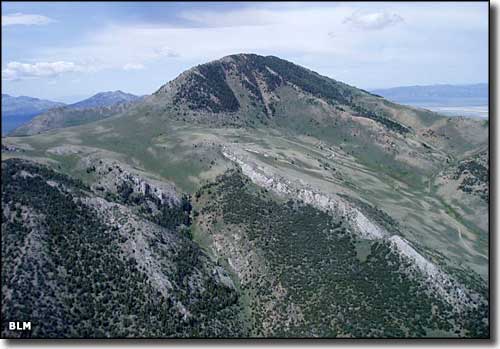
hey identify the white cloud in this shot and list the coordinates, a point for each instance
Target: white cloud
(166, 51)
(345, 41)
(373, 20)
(25, 19)
(144, 44)
(235, 18)
(20, 71)
(133, 66)
(294, 32)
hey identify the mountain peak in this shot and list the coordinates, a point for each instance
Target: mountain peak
(223, 85)
(110, 93)
(104, 99)
(240, 56)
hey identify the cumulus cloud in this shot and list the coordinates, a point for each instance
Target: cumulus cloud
(166, 51)
(373, 20)
(20, 71)
(235, 18)
(133, 66)
(344, 41)
(269, 34)
(25, 19)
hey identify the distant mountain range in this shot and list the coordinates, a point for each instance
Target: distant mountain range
(17, 111)
(14, 105)
(438, 95)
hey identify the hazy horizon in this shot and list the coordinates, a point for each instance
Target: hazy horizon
(76, 98)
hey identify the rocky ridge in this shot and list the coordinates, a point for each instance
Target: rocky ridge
(451, 290)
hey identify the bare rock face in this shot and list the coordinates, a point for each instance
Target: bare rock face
(329, 203)
(115, 177)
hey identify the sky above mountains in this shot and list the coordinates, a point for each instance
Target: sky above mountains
(69, 51)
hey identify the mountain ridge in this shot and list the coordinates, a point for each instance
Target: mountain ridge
(96, 107)
(314, 198)
(18, 110)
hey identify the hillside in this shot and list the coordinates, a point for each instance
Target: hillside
(267, 92)
(309, 273)
(92, 265)
(332, 211)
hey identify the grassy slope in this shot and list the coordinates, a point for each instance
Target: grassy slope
(306, 275)
(190, 155)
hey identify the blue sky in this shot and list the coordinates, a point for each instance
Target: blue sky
(68, 51)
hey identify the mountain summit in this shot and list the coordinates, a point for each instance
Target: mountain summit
(256, 89)
(226, 84)
(104, 99)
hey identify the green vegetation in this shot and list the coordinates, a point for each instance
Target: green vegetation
(208, 91)
(233, 259)
(169, 215)
(390, 124)
(65, 117)
(476, 178)
(327, 290)
(70, 274)
(319, 86)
